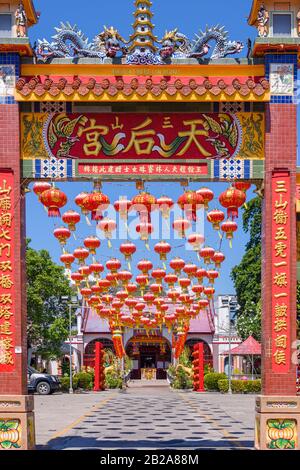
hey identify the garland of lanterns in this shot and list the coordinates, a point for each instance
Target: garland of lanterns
(157, 297)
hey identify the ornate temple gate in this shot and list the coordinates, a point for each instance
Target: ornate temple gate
(179, 120)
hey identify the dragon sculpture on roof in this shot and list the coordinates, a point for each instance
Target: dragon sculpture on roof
(69, 41)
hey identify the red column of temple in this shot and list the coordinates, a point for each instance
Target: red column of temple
(281, 154)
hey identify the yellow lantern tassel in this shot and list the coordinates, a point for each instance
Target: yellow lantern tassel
(230, 243)
(198, 256)
(129, 265)
(74, 236)
(165, 267)
(246, 205)
(167, 223)
(147, 246)
(109, 244)
(88, 221)
(220, 235)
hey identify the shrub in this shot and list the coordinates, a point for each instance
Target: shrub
(182, 380)
(240, 386)
(208, 369)
(211, 380)
(65, 383)
(84, 380)
(113, 380)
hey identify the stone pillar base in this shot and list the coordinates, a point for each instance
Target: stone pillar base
(277, 423)
(17, 431)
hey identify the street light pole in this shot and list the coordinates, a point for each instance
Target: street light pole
(229, 360)
(71, 391)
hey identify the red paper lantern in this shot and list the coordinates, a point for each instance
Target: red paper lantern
(128, 249)
(96, 203)
(181, 226)
(113, 265)
(53, 199)
(40, 187)
(85, 271)
(207, 196)
(184, 283)
(196, 240)
(131, 288)
(96, 269)
(62, 234)
(190, 202)
(177, 264)
(197, 289)
(212, 275)
(122, 295)
(215, 217)
(107, 226)
(79, 201)
(162, 248)
(96, 289)
(171, 279)
(71, 218)
(67, 259)
(123, 206)
(218, 258)
(190, 270)
(242, 185)
(77, 278)
(144, 229)
(145, 266)
(203, 303)
(144, 203)
(229, 227)
(142, 280)
(86, 292)
(209, 292)
(149, 298)
(232, 199)
(165, 205)
(140, 307)
(200, 274)
(159, 275)
(207, 254)
(125, 277)
(81, 254)
(173, 295)
(92, 243)
(156, 289)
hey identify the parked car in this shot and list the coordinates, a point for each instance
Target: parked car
(43, 384)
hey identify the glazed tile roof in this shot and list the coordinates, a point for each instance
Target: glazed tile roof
(67, 87)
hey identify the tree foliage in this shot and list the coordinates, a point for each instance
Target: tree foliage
(47, 316)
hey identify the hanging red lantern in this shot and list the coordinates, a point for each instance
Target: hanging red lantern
(181, 226)
(122, 295)
(173, 295)
(159, 275)
(123, 206)
(86, 292)
(107, 299)
(212, 275)
(53, 199)
(96, 290)
(104, 284)
(207, 196)
(79, 201)
(145, 229)
(215, 217)
(177, 264)
(165, 204)
(242, 185)
(232, 199)
(142, 280)
(113, 278)
(96, 202)
(107, 226)
(197, 289)
(171, 279)
(207, 254)
(81, 254)
(131, 303)
(96, 269)
(77, 278)
(92, 243)
(190, 269)
(128, 249)
(131, 289)
(218, 258)
(67, 259)
(190, 202)
(145, 266)
(140, 307)
(156, 289)
(113, 265)
(209, 292)
(125, 277)
(229, 227)
(149, 298)
(40, 187)
(71, 218)
(85, 271)
(144, 203)
(162, 248)
(200, 274)
(62, 234)
(196, 240)
(203, 303)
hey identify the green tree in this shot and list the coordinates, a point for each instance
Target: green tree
(47, 316)
(247, 275)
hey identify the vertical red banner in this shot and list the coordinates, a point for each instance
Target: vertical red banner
(281, 272)
(7, 297)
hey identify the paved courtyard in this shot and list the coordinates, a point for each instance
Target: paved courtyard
(146, 416)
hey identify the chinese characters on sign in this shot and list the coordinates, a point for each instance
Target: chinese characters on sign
(143, 169)
(7, 319)
(281, 210)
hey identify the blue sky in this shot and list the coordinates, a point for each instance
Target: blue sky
(189, 16)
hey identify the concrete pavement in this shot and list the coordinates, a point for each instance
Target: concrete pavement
(146, 416)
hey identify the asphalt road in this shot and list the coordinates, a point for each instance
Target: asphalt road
(146, 416)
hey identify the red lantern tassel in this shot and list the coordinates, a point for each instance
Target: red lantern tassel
(53, 212)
